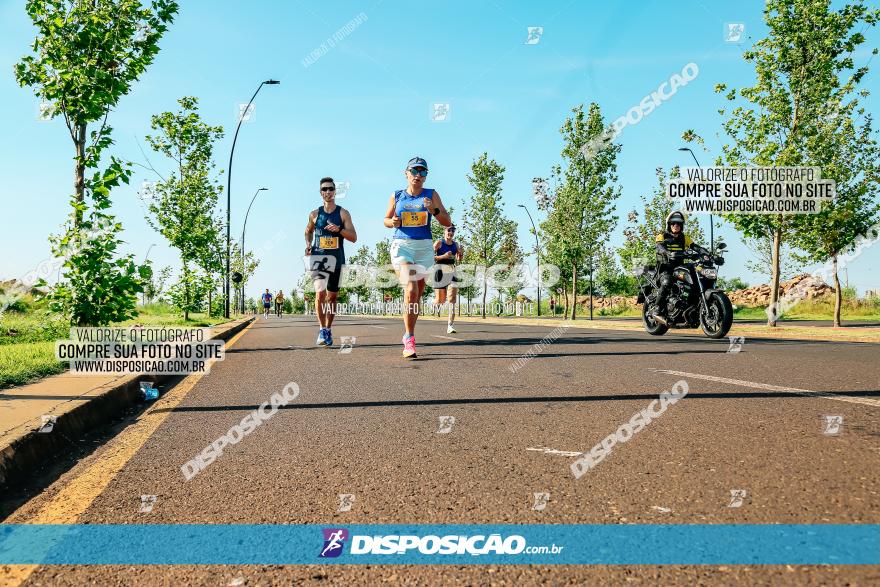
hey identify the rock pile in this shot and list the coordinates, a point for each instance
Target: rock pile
(804, 286)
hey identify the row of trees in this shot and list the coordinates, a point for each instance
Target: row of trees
(805, 108)
(86, 57)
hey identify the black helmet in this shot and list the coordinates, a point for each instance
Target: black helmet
(677, 217)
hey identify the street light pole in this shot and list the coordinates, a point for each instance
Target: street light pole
(243, 228)
(270, 82)
(711, 218)
(537, 254)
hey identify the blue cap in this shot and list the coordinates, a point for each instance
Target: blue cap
(416, 162)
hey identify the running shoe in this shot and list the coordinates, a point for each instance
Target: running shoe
(450, 329)
(409, 347)
(322, 337)
(328, 337)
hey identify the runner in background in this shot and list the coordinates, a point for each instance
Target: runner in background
(412, 252)
(446, 252)
(267, 301)
(328, 227)
(279, 303)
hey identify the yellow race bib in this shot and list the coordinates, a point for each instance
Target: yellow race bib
(413, 218)
(328, 242)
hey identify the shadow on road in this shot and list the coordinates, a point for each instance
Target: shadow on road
(523, 400)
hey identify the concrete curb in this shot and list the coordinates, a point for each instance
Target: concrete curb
(28, 449)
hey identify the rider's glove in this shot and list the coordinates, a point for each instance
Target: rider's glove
(719, 261)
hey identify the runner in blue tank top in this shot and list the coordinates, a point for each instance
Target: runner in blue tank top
(412, 251)
(446, 252)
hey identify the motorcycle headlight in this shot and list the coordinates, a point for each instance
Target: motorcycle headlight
(709, 272)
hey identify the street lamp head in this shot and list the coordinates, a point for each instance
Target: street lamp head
(271, 82)
(520, 206)
(683, 149)
(263, 189)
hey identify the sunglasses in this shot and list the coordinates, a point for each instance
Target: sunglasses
(328, 189)
(418, 171)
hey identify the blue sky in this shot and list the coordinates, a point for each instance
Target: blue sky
(362, 109)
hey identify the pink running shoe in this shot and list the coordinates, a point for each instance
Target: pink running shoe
(409, 348)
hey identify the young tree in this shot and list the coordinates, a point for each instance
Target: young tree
(363, 259)
(762, 261)
(853, 161)
(184, 207)
(582, 213)
(486, 232)
(87, 55)
(642, 229)
(779, 120)
(611, 280)
(383, 261)
(155, 287)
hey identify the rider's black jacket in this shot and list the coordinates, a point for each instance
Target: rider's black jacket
(669, 245)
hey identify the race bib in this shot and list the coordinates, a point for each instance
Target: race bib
(328, 242)
(413, 218)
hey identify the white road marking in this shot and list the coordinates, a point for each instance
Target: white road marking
(661, 509)
(375, 326)
(553, 451)
(823, 394)
(447, 337)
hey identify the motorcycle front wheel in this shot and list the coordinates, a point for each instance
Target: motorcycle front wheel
(716, 322)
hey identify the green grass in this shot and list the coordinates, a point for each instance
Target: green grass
(867, 310)
(26, 362)
(27, 339)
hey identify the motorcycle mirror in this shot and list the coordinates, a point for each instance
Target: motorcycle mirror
(721, 246)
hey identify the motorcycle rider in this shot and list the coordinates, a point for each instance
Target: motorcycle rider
(671, 246)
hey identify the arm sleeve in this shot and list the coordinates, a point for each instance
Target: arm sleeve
(660, 246)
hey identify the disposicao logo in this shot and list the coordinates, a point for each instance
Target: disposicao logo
(334, 542)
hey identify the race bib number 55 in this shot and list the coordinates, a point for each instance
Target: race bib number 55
(414, 218)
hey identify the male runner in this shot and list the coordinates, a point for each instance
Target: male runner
(446, 253)
(267, 300)
(412, 252)
(329, 226)
(279, 303)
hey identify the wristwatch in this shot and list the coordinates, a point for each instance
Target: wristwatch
(436, 211)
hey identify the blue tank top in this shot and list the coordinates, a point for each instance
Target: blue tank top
(444, 248)
(325, 242)
(415, 219)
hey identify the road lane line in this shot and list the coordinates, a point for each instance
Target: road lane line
(822, 394)
(79, 493)
(376, 326)
(553, 451)
(447, 337)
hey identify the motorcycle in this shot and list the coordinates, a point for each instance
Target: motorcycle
(693, 298)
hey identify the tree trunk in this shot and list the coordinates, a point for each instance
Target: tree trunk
(186, 292)
(79, 172)
(483, 311)
(565, 310)
(574, 290)
(210, 295)
(591, 287)
(838, 294)
(774, 286)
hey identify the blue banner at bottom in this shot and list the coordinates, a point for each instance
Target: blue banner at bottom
(645, 544)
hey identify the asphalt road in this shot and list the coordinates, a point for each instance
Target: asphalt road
(366, 423)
